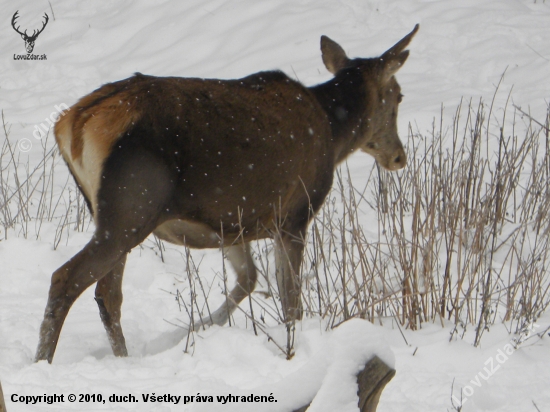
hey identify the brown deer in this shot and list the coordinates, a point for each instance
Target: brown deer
(216, 163)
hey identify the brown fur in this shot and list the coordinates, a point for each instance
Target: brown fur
(216, 163)
(105, 113)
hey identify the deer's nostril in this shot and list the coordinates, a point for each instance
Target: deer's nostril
(399, 161)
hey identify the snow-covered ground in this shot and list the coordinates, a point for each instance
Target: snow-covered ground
(462, 49)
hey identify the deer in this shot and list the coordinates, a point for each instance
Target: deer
(208, 163)
(29, 40)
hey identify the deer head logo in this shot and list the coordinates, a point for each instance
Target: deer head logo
(29, 40)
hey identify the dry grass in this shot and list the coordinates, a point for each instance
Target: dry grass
(462, 232)
(460, 235)
(31, 195)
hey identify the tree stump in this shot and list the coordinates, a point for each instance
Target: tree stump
(2, 403)
(371, 381)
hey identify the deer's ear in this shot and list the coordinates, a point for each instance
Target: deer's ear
(400, 45)
(396, 56)
(394, 64)
(334, 56)
(23, 36)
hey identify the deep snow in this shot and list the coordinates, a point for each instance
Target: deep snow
(462, 49)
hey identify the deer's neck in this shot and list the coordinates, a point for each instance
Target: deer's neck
(344, 101)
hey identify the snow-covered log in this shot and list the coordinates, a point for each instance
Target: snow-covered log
(371, 381)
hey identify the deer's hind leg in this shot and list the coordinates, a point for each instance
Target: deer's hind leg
(136, 191)
(91, 264)
(241, 260)
(108, 295)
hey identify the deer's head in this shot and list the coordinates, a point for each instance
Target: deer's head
(379, 94)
